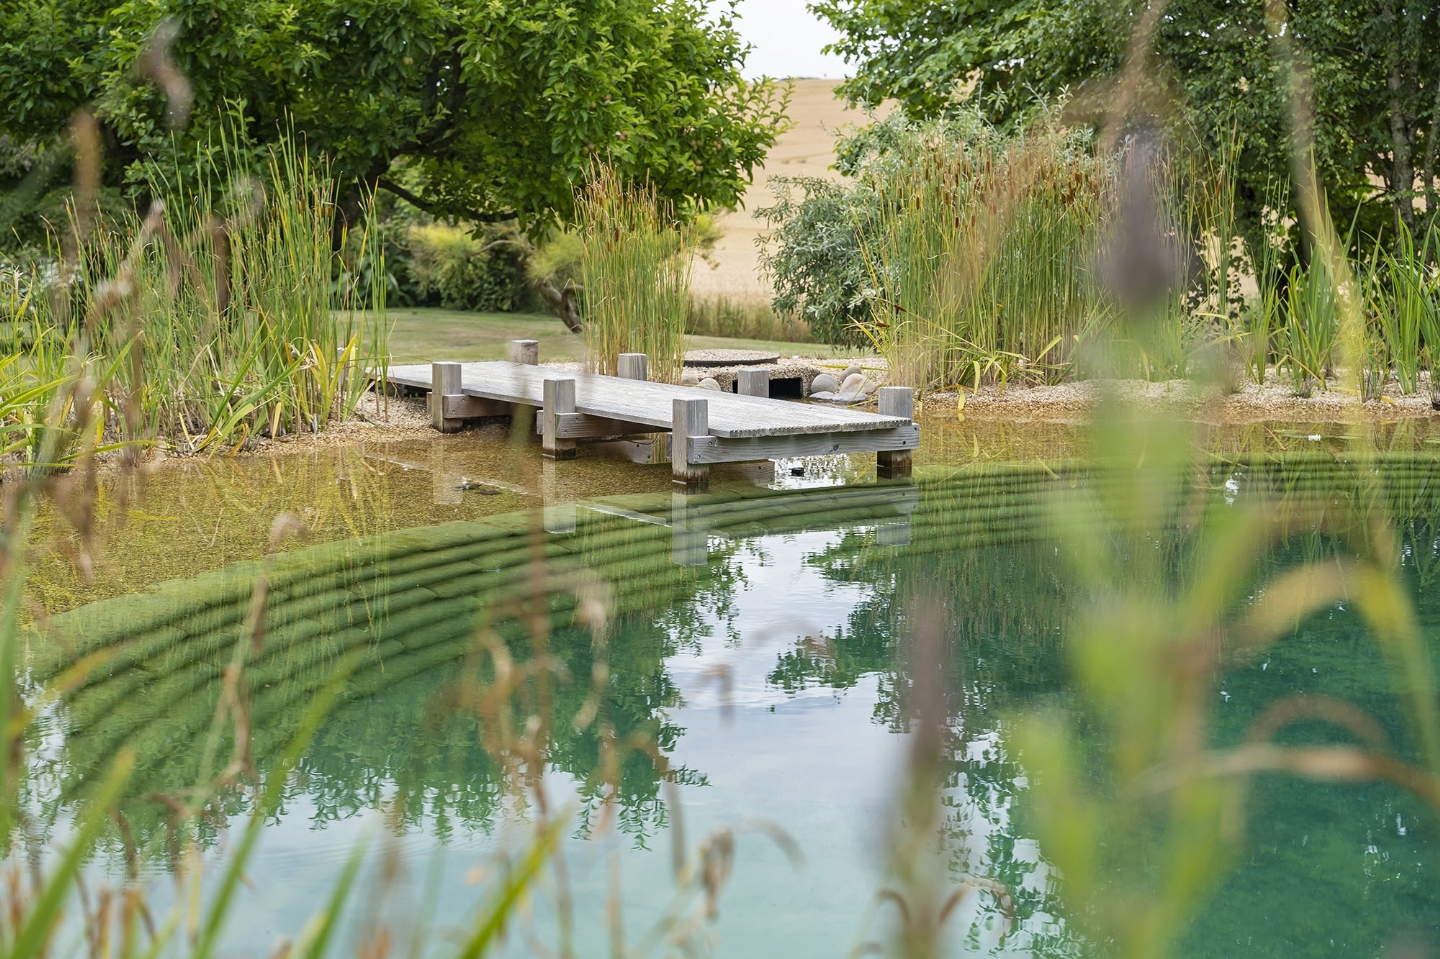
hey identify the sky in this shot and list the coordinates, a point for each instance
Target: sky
(787, 40)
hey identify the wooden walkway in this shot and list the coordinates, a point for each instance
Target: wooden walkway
(711, 427)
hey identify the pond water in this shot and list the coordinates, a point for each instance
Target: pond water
(756, 653)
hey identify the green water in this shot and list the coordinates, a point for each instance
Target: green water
(757, 642)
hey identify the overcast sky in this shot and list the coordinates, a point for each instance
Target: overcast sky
(787, 40)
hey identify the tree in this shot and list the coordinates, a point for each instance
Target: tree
(1374, 89)
(495, 108)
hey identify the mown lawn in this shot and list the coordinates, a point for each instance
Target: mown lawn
(419, 335)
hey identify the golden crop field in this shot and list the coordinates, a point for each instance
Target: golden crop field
(806, 150)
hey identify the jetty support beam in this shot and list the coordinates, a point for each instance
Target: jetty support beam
(753, 381)
(632, 366)
(525, 352)
(444, 382)
(691, 428)
(641, 443)
(559, 400)
(895, 401)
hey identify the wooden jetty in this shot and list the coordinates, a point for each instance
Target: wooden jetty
(705, 427)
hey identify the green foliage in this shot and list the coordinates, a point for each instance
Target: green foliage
(967, 255)
(1374, 105)
(213, 321)
(499, 108)
(452, 267)
(558, 260)
(635, 264)
(812, 255)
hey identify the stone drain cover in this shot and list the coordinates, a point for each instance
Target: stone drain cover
(707, 358)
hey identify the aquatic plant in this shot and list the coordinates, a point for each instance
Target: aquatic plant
(980, 255)
(238, 306)
(635, 275)
(966, 255)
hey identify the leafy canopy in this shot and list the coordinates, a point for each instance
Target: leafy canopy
(492, 109)
(1214, 67)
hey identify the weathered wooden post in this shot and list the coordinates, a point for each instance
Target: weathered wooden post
(690, 420)
(895, 401)
(559, 399)
(639, 447)
(525, 352)
(632, 366)
(444, 381)
(754, 381)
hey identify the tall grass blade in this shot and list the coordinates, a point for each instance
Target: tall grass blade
(31, 936)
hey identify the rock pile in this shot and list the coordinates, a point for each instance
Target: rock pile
(852, 386)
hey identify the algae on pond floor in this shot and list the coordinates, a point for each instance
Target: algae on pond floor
(182, 516)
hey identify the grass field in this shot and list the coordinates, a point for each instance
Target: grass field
(418, 335)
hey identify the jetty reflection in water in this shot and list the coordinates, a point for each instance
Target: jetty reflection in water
(771, 679)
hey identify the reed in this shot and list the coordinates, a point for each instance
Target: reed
(635, 275)
(1312, 325)
(239, 306)
(275, 312)
(981, 258)
(1401, 298)
(746, 319)
(1262, 320)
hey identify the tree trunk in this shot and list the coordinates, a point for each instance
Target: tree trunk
(1432, 142)
(1402, 168)
(562, 302)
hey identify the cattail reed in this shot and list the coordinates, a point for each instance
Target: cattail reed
(980, 258)
(234, 309)
(635, 274)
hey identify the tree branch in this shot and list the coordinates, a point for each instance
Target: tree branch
(563, 303)
(434, 209)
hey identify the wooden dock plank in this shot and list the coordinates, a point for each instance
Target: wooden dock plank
(716, 449)
(731, 416)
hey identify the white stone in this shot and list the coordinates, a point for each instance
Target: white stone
(710, 383)
(839, 399)
(689, 378)
(824, 383)
(856, 383)
(850, 371)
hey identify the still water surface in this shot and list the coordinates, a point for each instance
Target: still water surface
(772, 681)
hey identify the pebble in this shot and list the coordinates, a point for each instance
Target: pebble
(850, 371)
(824, 383)
(856, 383)
(841, 398)
(710, 383)
(689, 378)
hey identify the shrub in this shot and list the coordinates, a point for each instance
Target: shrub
(458, 269)
(813, 258)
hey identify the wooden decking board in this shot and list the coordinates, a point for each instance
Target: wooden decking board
(731, 415)
(715, 449)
